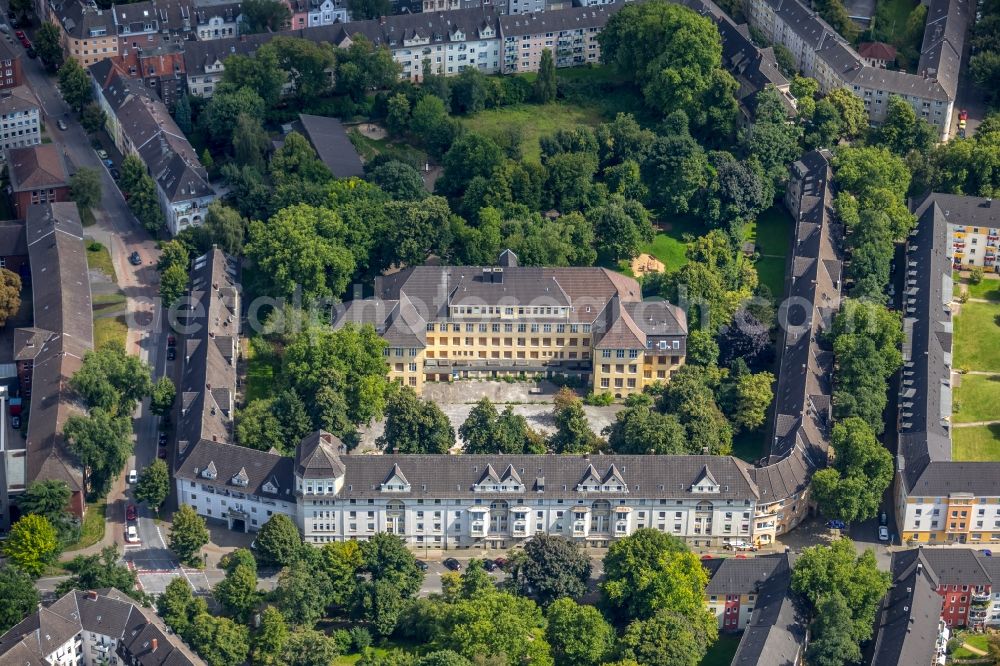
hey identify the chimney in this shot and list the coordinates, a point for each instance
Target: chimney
(156, 644)
(92, 594)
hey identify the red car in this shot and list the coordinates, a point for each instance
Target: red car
(131, 513)
(26, 43)
(19, 34)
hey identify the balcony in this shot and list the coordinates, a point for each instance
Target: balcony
(980, 600)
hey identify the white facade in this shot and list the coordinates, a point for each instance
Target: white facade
(181, 215)
(974, 246)
(219, 27)
(481, 51)
(20, 128)
(326, 13)
(229, 505)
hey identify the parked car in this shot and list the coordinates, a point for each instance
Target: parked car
(162, 454)
(171, 353)
(132, 477)
(61, 124)
(836, 525)
(452, 564)
(162, 439)
(31, 52)
(501, 563)
(131, 534)
(131, 512)
(103, 154)
(4, 28)
(19, 34)
(883, 533)
(15, 422)
(422, 565)
(114, 173)
(883, 519)
(489, 565)
(135, 259)
(171, 341)
(108, 163)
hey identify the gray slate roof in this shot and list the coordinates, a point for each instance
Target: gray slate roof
(742, 576)
(329, 138)
(776, 632)
(906, 627)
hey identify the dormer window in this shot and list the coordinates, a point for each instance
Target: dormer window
(241, 478)
(269, 487)
(210, 472)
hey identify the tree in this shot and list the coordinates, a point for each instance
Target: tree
(182, 113)
(578, 634)
(673, 54)
(278, 541)
(850, 107)
(93, 117)
(270, 640)
(74, 84)
(188, 534)
(85, 187)
(443, 658)
(621, 227)
(250, 142)
(237, 592)
(639, 429)
(485, 431)
(302, 247)
(381, 604)
(368, 9)
(145, 205)
(225, 227)
(773, 140)
(307, 64)
(19, 595)
(739, 192)
(836, 15)
(50, 498)
(95, 572)
(413, 425)
(10, 294)
(398, 180)
(430, 123)
(112, 380)
(851, 490)
(676, 166)
(668, 638)
(301, 593)
(103, 443)
(162, 396)
(32, 544)
(153, 485)
(863, 169)
(690, 395)
(496, 624)
(650, 570)
(553, 567)
(219, 640)
(48, 45)
(822, 570)
(545, 83)
(133, 171)
(179, 607)
(258, 427)
(985, 71)
(832, 642)
(222, 112)
(173, 284)
(470, 155)
(902, 131)
(385, 557)
(265, 16)
(477, 430)
(397, 114)
(753, 395)
(341, 562)
(748, 339)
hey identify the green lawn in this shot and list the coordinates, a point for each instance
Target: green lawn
(975, 640)
(668, 246)
(977, 398)
(977, 337)
(369, 148)
(772, 236)
(987, 289)
(261, 369)
(99, 258)
(93, 526)
(109, 326)
(533, 120)
(722, 651)
(977, 443)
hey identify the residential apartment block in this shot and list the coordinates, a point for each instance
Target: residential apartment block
(973, 229)
(824, 55)
(11, 75)
(217, 20)
(141, 125)
(38, 175)
(91, 628)
(570, 34)
(939, 500)
(456, 322)
(47, 353)
(754, 596)
(20, 119)
(88, 34)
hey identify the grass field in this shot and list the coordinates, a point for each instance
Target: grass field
(533, 120)
(977, 337)
(772, 236)
(93, 526)
(109, 326)
(722, 651)
(975, 640)
(99, 258)
(668, 246)
(261, 369)
(977, 399)
(976, 443)
(987, 289)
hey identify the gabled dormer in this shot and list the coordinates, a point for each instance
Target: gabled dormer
(705, 482)
(241, 478)
(270, 486)
(613, 481)
(489, 480)
(510, 477)
(591, 481)
(395, 481)
(210, 472)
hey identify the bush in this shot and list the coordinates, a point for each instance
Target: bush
(976, 275)
(361, 639)
(342, 638)
(599, 399)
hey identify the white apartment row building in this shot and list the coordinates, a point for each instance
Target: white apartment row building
(445, 502)
(20, 119)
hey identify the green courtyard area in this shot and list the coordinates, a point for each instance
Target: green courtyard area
(976, 389)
